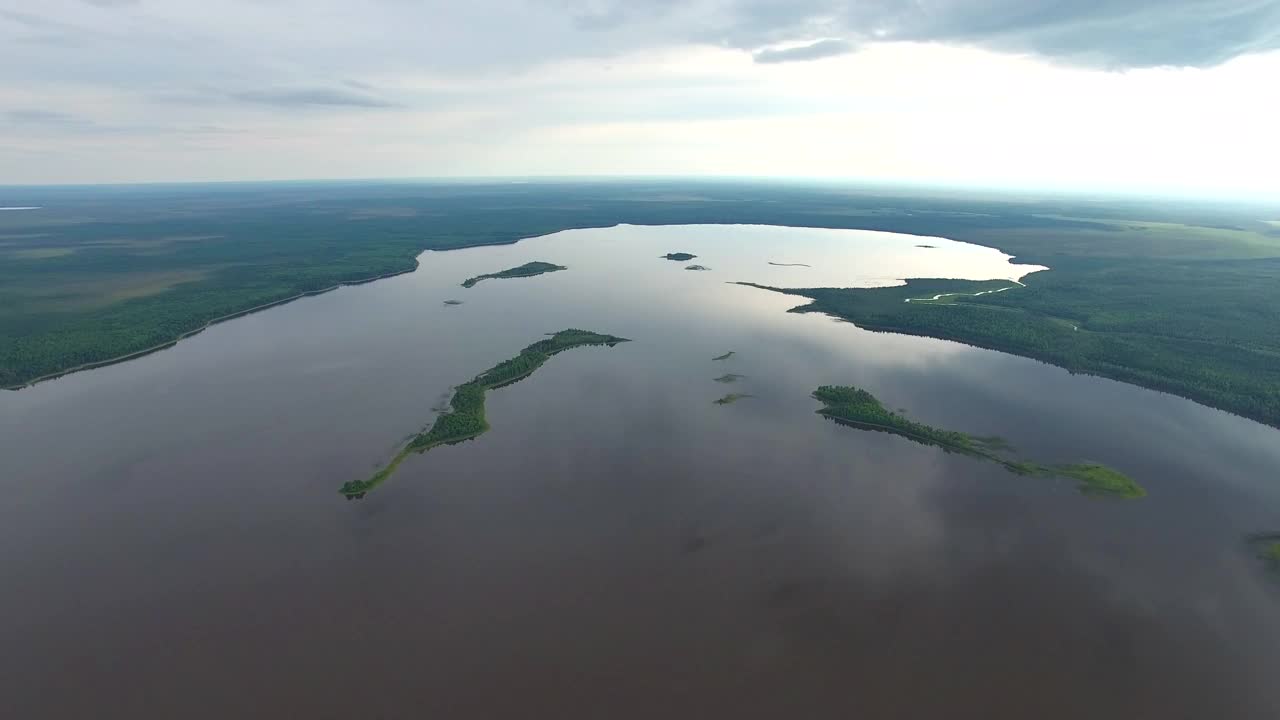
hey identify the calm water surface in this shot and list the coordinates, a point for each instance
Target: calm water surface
(172, 541)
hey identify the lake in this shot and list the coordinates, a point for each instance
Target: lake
(173, 543)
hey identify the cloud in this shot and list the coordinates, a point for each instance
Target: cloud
(1095, 33)
(63, 124)
(313, 96)
(281, 88)
(812, 51)
(1091, 33)
(42, 117)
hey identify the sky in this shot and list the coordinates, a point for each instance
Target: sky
(1178, 96)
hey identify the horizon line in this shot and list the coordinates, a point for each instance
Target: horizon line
(847, 181)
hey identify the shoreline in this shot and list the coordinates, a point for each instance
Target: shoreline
(1115, 373)
(492, 243)
(191, 333)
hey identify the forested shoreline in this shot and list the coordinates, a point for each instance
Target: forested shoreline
(1172, 296)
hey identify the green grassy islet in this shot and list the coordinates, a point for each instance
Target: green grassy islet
(858, 408)
(465, 417)
(529, 269)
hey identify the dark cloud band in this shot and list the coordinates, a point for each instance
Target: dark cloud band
(302, 97)
(812, 51)
(1093, 33)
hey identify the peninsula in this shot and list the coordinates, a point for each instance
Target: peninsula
(858, 408)
(465, 417)
(528, 269)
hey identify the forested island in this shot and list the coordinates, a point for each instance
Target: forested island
(858, 408)
(732, 398)
(528, 269)
(679, 256)
(697, 267)
(465, 417)
(725, 356)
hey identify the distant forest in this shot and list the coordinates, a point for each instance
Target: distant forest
(1174, 296)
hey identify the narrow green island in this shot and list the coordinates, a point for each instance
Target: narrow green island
(465, 417)
(1272, 555)
(789, 264)
(858, 408)
(697, 267)
(725, 356)
(732, 398)
(528, 269)
(452, 302)
(729, 378)
(679, 256)
(1267, 546)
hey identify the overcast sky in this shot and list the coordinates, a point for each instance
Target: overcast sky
(1148, 96)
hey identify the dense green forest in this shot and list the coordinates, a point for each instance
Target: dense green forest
(1215, 339)
(1177, 296)
(680, 256)
(858, 408)
(465, 417)
(528, 269)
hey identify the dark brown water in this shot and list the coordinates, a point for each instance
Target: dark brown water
(172, 543)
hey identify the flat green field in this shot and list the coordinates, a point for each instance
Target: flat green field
(1175, 296)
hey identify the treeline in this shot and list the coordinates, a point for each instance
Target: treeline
(248, 249)
(252, 246)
